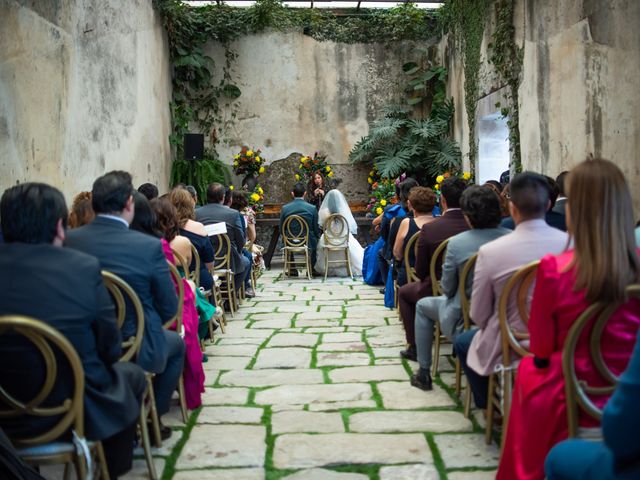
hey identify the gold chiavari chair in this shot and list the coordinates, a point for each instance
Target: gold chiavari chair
(295, 236)
(578, 391)
(223, 269)
(466, 317)
(121, 290)
(336, 239)
(501, 382)
(179, 327)
(438, 339)
(49, 447)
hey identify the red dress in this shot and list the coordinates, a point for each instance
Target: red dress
(538, 418)
(193, 370)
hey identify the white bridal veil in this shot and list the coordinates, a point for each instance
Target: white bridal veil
(335, 202)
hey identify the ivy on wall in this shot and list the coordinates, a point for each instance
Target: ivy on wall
(506, 57)
(467, 20)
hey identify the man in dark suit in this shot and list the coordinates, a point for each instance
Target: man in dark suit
(216, 212)
(553, 217)
(139, 260)
(307, 211)
(431, 236)
(63, 288)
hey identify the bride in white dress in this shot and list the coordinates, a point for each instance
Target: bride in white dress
(334, 202)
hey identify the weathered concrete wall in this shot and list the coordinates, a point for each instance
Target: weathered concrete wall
(84, 89)
(579, 94)
(300, 95)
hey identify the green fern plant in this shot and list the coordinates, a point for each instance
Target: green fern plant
(413, 137)
(199, 173)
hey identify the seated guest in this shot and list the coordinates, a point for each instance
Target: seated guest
(618, 456)
(241, 204)
(139, 260)
(149, 190)
(215, 212)
(602, 263)
(307, 211)
(81, 210)
(480, 349)
(553, 218)
(194, 194)
(72, 298)
(497, 187)
(432, 234)
(420, 202)
(195, 232)
(561, 180)
(481, 208)
(145, 221)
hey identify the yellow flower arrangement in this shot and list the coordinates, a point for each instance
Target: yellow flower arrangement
(258, 159)
(248, 162)
(383, 202)
(255, 197)
(440, 178)
(260, 190)
(436, 187)
(231, 187)
(261, 170)
(370, 180)
(236, 156)
(466, 175)
(297, 176)
(379, 210)
(249, 153)
(327, 169)
(330, 175)
(310, 165)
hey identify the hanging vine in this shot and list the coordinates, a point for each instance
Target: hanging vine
(506, 56)
(466, 19)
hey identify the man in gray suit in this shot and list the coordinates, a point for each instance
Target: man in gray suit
(481, 209)
(307, 211)
(216, 212)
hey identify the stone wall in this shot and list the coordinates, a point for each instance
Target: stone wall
(84, 89)
(301, 95)
(579, 94)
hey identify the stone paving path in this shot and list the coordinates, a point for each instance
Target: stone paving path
(307, 384)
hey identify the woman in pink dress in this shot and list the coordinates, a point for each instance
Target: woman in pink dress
(603, 262)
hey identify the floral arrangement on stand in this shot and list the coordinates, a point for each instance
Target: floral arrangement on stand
(383, 193)
(248, 162)
(308, 166)
(441, 178)
(374, 176)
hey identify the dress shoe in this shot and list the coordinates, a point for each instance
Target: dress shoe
(249, 292)
(410, 353)
(422, 380)
(315, 273)
(165, 432)
(382, 290)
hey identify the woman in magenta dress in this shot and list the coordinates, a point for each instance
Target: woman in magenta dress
(602, 263)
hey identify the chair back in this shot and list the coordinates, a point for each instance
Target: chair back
(177, 280)
(578, 391)
(222, 252)
(182, 263)
(295, 232)
(51, 346)
(195, 274)
(336, 231)
(519, 284)
(411, 269)
(120, 292)
(465, 303)
(436, 260)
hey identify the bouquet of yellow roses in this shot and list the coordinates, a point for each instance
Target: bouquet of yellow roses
(248, 162)
(441, 178)
(309, 166)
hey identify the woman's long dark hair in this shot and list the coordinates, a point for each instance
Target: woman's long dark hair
(144, 219)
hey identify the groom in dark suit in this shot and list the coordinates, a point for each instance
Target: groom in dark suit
(63, 288)
(139, 260)
(307, 211)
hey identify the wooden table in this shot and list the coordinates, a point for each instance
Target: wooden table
(364, 226)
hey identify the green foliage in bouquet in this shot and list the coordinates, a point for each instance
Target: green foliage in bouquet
(199, 173)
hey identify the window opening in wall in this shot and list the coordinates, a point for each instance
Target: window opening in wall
(493, 147)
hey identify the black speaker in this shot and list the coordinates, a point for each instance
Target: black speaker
(193, 146)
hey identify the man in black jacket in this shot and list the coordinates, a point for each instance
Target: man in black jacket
(64, 289)
(139, 260)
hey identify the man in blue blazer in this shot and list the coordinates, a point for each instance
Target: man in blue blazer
(63, 288)
(307, 211)
(139, 260)
(618, 457)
